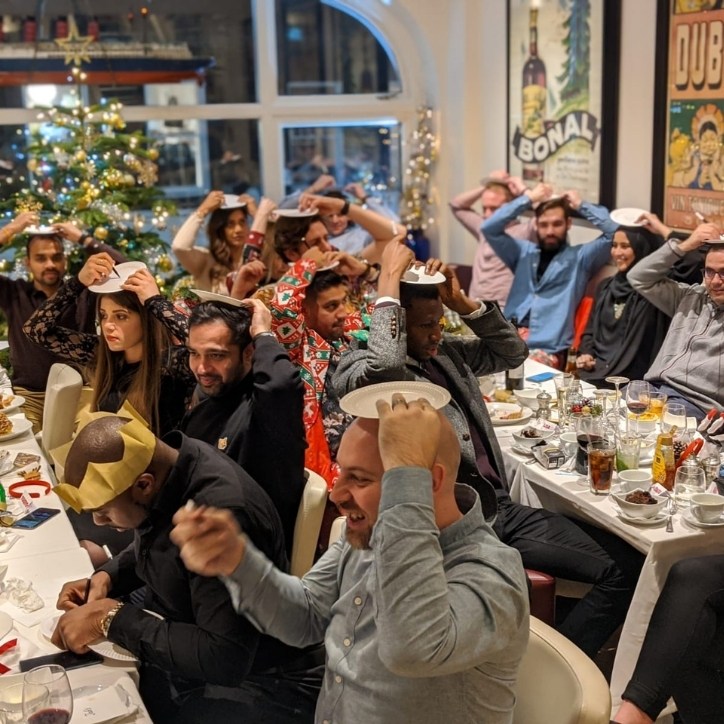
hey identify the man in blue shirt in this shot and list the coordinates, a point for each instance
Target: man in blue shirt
(550, 277)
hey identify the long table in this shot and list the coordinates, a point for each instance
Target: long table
(532, 485)
(48, 557)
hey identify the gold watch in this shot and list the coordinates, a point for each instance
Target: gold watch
(107, 619)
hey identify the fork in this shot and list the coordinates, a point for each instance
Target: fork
(671, 508)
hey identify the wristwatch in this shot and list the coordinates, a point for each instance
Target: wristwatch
(107, 620)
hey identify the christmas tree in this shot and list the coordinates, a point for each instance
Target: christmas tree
(577, 66)
(83, 167)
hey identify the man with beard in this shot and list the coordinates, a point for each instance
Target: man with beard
(252, 409)
(418, 603)
(550, 277)
(19, 298)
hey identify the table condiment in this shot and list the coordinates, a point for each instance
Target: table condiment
(663, 468)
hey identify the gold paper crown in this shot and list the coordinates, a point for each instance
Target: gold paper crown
(104, 482)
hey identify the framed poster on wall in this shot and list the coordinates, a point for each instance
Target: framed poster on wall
(562, 94)
(688, 184)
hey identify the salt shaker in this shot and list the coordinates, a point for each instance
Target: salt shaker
(544, 406)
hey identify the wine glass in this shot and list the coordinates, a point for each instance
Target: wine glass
(617, 381)
(36, 704)
(690, 479)
(637, 400)
(59, 706)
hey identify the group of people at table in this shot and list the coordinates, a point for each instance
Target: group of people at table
(190, 465)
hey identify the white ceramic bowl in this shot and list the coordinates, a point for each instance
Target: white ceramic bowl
(630, 480)
(528, 397)
(529, 442)
(707, 507)
(639, 510)
(646, 424)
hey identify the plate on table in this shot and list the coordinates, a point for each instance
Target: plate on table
(6, 625)
(627, 216)
(688, 516)
(47, 627)
(20, 426)
(112, 651)
(500, 413)
(656, 520)
(114, 283)
(524, 452)
(361, 402)
(10, 403)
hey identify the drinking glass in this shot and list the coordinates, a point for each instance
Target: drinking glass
(617, 381)
(35, 706)
(637, 400)
(657, 400)
(11, 704)
(588, 429)
(562, 383)
(674, 415)
(689, 479)
(601, 458)
(628, 450)
(59, 706)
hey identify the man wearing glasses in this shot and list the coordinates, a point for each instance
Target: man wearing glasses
(690, 363)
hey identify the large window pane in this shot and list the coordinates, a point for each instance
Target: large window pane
(368, 154)
(321, 50)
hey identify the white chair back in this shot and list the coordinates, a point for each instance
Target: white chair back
(335, 531)
(308, 523)
(61, 404)
(558, 683)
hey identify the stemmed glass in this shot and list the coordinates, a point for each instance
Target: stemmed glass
(637, 400)
(58, 706)
(617, 381)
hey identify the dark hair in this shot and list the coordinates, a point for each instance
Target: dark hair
(44, 237)
(237, 320)
(218, 245)
(500, 186)
(290, 231)
(323, 281)
(335, 194)
(410, 292)
(561, 202)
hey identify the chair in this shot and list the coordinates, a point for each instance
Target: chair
(336, 530)
(62, 393)
(558, 683)
(308, 523)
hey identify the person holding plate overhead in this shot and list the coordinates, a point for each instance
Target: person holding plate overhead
(228, 233)
(47, 264)
(625, 330)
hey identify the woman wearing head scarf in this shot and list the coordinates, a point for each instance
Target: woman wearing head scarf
(624, 331)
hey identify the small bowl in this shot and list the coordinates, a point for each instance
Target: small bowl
(646, 422)
(630, 480)
(528, 398)
(639, 510)
(707, 507)
(530, 442)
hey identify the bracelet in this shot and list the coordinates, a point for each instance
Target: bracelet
(345, 208)
(83, 238)
(17, 490)
(107, 619)
(263, 334)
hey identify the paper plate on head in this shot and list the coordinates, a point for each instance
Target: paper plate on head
(40, 230)
(112, 651)
(214, 297)
(20, 426)
(628, 217)
(232, 202)
(362, 402)
(117, 278)
(417, 275)
(294, 213)
(333, 265)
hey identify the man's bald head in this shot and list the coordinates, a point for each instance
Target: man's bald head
(99, 441)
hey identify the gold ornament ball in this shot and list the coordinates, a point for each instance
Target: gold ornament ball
(5, 265)
(81, 155)
(153, 154)
(160, 282)
(85, 185)
(123, 244)
(32, 164)
(129, 180)
(100, 233)
(164, 263)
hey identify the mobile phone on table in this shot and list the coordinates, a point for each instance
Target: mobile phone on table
(35, 518)
(66, 659)
(542, 377)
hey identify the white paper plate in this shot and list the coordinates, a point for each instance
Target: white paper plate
(656, 520)
(294, 213)
(496, 409)
(416, 275)
(47, 627)
(16, 403)
(114, 283)
(689, 518)
(361, 402)
(333, 265)
(6, 625)
(627, 216)
(40, 230)
(112, 651)
(20, 426)
(232, 202)
(213, 297)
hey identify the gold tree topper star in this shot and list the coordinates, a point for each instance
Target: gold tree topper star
(75, 46)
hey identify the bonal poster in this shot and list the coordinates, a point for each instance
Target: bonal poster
(555, 93)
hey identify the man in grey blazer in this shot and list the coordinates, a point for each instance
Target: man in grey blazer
(406, 342)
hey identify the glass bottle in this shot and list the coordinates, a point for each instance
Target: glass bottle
(535, 96)
(663, 467)
(544, 406)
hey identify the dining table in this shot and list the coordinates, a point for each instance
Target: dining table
(566, 492)
(46, 557)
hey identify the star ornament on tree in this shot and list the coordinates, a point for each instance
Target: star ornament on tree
(75, 46)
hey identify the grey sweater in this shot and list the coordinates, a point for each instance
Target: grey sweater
(690, 359)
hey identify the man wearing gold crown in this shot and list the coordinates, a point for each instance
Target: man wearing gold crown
(190, 642)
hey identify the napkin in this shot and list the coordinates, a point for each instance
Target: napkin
(106, 705)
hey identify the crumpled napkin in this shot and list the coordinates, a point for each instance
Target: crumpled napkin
(20, 593)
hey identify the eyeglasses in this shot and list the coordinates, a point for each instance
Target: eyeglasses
(711, 273)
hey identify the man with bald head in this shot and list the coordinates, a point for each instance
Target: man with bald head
(418, 603)
(189, 640)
